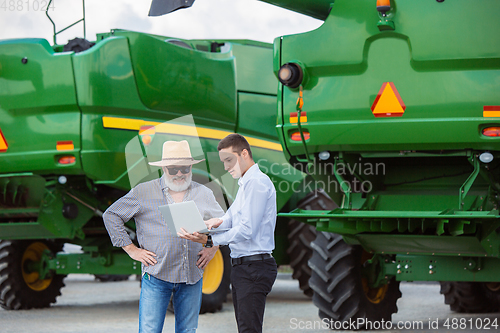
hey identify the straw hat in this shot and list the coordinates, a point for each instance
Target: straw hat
(176, 153)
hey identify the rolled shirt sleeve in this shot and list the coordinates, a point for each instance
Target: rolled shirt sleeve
(115, 217)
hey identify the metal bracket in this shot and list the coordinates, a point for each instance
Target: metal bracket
(346, 188)
(378, 270)
(464, 189)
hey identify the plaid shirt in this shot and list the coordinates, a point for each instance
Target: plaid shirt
(176, 256)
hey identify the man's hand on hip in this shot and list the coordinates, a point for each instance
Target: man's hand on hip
(144, 256)
(206, 254)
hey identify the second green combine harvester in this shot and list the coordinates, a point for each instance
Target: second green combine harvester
(78, 124)
(395, 108)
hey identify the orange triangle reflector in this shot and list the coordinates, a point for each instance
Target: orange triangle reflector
(3, 143)
(388, 102)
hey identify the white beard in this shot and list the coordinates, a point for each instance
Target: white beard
(178, 188)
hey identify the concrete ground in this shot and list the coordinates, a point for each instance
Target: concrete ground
(88, 306)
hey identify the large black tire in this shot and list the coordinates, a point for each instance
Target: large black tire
(216, 281)
(341, 293)
(20, 289)
(301, 235)
(471, 297)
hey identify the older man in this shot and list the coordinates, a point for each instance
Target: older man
(169, 264)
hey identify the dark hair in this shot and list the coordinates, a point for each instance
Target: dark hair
(237, 142)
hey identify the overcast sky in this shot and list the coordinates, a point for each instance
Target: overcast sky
(221, 19)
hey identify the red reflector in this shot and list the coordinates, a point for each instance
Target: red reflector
(294, 117)
(491, 131)
(146, 133)
(67, 160)
(296, 136)
(65, 145)
(147, 129)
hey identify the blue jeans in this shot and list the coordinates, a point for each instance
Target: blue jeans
(155, 296)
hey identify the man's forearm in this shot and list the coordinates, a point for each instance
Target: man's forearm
(129, 248)
(116, 229)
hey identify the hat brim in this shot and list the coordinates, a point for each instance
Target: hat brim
(175, 162)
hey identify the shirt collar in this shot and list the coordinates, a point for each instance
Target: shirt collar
(250, 172)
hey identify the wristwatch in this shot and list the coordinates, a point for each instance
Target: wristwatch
(209, 241)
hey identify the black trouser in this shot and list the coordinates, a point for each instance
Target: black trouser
(251, 282)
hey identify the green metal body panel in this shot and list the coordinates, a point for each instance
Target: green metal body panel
(352, 59)
(88, 263)
(411, 181)
(98, 100)
(35, 103)
(432, 268)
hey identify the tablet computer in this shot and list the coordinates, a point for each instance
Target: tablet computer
(185, 215)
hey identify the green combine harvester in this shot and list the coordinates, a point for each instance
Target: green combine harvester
(394, 107)
(78, 124)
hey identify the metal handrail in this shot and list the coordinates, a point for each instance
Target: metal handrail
(69, 26)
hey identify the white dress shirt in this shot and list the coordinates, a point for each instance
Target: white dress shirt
(252, 216)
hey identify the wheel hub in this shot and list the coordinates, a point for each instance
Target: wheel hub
(33, 254)
(374, 295)
(493, 286)
(213, 274)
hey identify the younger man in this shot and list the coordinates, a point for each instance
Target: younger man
(252, 220)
